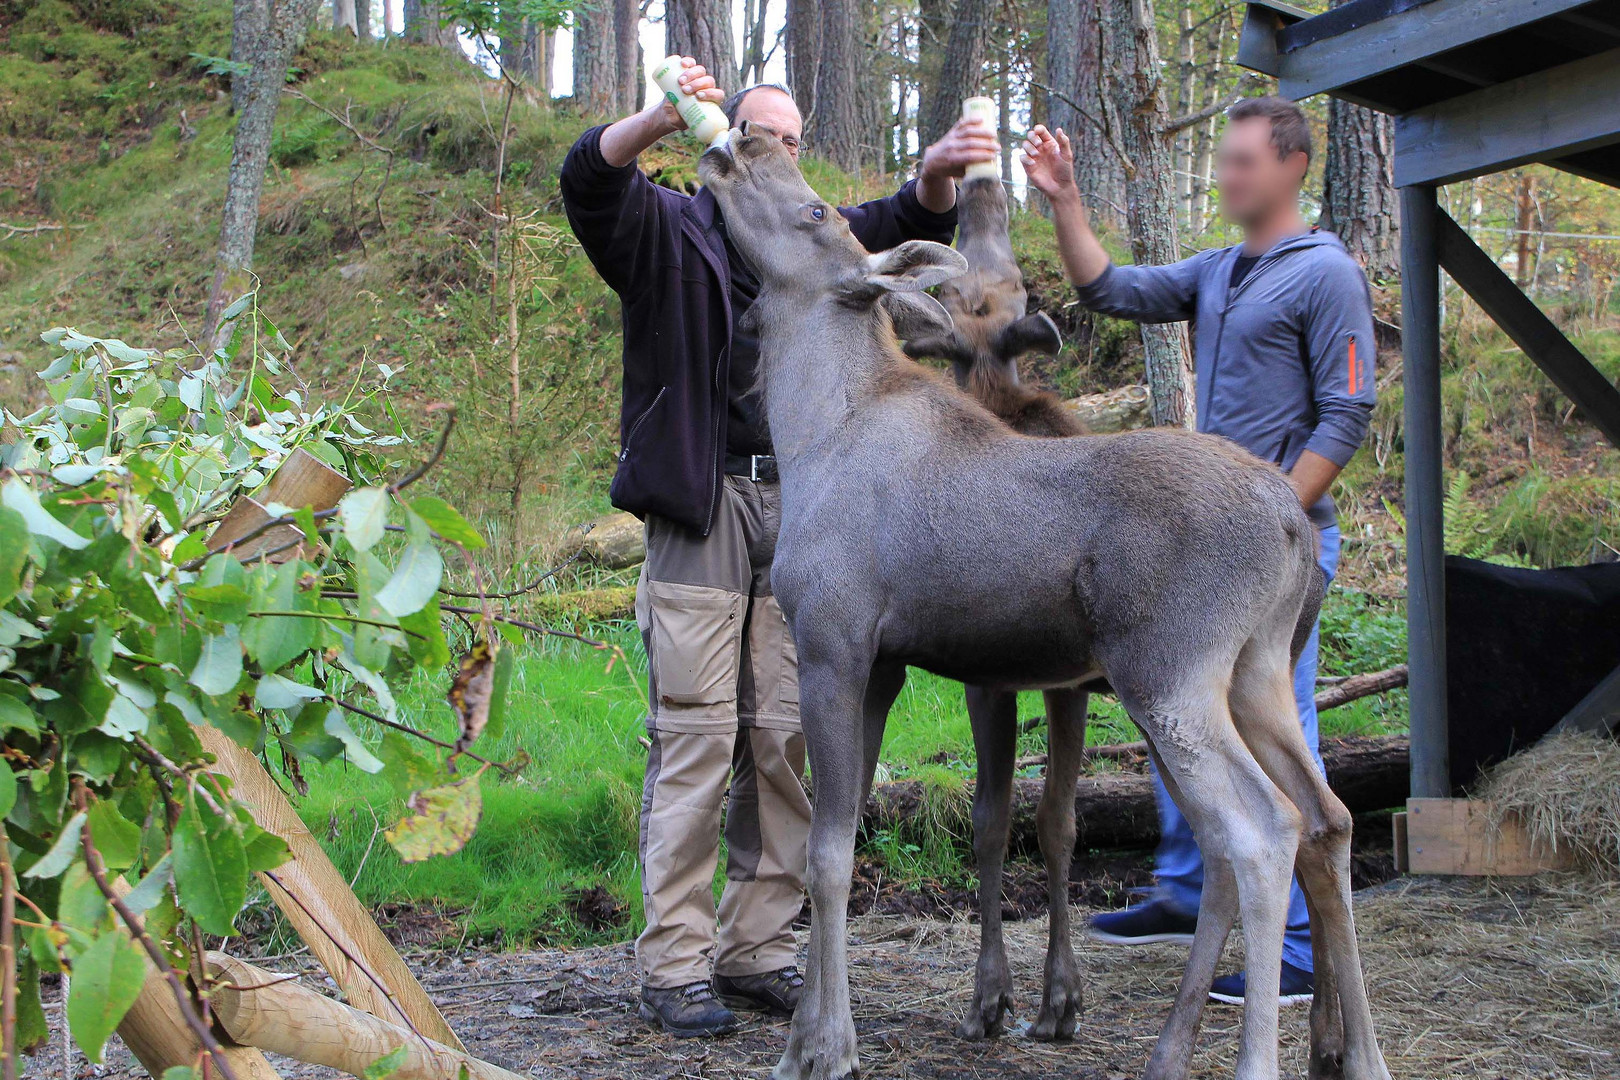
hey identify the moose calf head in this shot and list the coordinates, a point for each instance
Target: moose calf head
(802, 249)
(989, 328)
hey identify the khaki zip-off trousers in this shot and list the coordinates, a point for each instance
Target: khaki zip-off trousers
(724, 692)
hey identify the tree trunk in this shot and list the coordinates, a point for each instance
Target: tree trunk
(803, 43)
(596, 60)
(1358, 185)
(1136, 117)
(286, 24)
(702, 29)
(344, 17)
(1524, 220)
(1073, 70)
(754, 47)
(627, 40)
(362, 21)
(960, 70)
(832, 65)
(390, 27)
(1203, 157)
(247, 27)
(424, 23)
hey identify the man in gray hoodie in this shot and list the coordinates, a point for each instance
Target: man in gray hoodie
(1283, 331)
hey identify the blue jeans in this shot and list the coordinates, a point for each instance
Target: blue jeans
(1180, 866)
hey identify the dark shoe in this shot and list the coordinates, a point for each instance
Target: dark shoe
(774, 992)
(1144, 924)
(687, 1012)
(1298, 987)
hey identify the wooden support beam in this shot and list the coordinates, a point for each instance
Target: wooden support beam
(1425, 548)
(1541, 117)
(323, 909)
(1529, 327)
(1597, 711)
(1308, 64)
(273, 1012)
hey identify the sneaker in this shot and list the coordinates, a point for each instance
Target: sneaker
(774, 992)
(1144, 924)
(687, 1012)
(1298, 987)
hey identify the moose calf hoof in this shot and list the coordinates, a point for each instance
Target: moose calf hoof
(986, 1018)
(1056, 1020)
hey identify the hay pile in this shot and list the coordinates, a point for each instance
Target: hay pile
(1566, 792)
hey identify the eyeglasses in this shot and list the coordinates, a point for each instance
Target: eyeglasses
(795, 146)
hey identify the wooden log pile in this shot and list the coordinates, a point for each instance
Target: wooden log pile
(1117, 810)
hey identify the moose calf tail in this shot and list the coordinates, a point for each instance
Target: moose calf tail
(1303, 544)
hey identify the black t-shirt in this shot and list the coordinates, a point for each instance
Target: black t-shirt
(746, 431)
(1241, 268)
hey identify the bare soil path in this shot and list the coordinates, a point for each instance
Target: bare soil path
(1469, 979)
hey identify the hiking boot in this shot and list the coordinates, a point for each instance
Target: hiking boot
(774, 992)
(1298, 987)
(1144, 924)
(687, 1012)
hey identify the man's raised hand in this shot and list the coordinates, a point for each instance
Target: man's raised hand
(695, 80)
(1048, 161)
(969, 142)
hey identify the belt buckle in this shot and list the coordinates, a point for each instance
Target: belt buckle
(753, 467)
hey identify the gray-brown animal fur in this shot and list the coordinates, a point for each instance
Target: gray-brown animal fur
(989, 332)
(917, 529)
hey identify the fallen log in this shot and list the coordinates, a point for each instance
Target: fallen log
(1117, 810)
(1359, 686)
(273, 1012)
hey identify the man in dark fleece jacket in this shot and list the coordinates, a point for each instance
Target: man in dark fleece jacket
(695, 463)
(1284, 362)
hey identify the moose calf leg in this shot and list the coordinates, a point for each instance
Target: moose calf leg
(1066, 744)
(994, 715)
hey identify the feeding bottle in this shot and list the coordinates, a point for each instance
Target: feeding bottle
(704, 119)
(985, 111)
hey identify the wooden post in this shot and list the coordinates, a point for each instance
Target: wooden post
(275, 1013)
(323, 909)
(1425, 549)
(159, 1037)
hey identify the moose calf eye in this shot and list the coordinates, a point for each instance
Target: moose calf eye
(815, 213)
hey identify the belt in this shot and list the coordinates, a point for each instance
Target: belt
(757, 467)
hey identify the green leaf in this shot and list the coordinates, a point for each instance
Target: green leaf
(16, 716)
(364, 512)
(210, 868)
(443, 519)
(358, 752)
(265, 850)
(80, 905)
(56, 860)
(8, 789)
(32, 1028)
(425, 637)
(415, 580)
(19, 497)
(219, 665)
(145, 896)
(440, 822)
(115, 836)
(383, 1067)
(107, 978)
(276, 640)
(408, 770)
(505, 662)
(13, 552)
(278, 692)
(308, 737)
(124, 719)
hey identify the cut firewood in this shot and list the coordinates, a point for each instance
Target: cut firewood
(1117, 810)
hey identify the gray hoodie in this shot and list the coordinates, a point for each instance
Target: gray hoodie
(1284, 361)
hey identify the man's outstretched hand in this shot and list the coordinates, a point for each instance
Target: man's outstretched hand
(1048, 161)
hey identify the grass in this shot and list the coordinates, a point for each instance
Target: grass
(564, 832)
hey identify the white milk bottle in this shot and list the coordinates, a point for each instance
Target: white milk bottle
(704, 119)
(985, 111)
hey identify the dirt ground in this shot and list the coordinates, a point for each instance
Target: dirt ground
(1500, 981)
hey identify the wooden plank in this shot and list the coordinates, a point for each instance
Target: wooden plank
(1564, 110)
(1529, 327)
(273, 1012)
(322, 908)
(302, 480)
(1425, 499)
(1405, 37)
(1453, 836)
(1403, 862)
(1257, 41)
(1597, 711)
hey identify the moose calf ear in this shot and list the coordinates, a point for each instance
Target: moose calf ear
(918, 318)
(913, 266)
(1032, 333)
